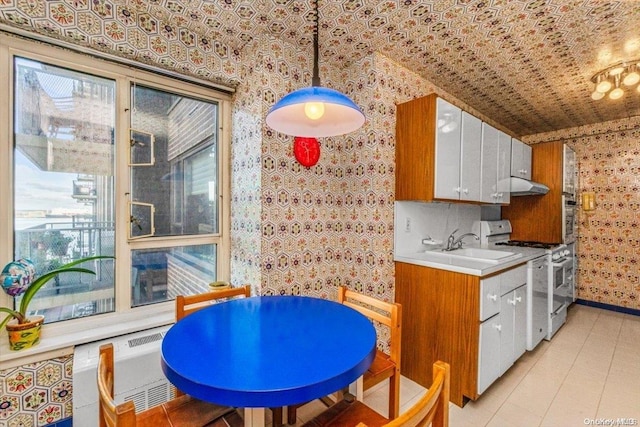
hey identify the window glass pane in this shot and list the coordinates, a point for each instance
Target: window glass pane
(159, 275)
(174, 161)
(63, 176)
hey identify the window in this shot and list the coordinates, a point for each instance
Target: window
(108, 161)
(63, 136)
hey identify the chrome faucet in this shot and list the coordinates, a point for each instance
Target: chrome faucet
(453, 243)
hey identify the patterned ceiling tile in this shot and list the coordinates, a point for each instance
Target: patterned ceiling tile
(525, 64)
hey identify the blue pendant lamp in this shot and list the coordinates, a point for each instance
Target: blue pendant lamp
(315, 111)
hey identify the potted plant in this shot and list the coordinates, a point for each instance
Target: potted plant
(18, 278)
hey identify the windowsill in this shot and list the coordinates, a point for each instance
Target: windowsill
(58, 340)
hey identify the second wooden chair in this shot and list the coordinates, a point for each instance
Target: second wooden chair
(385, 366)
(432, 409)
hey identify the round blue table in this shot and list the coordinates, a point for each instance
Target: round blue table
(268, 351)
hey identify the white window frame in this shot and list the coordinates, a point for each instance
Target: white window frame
(59, 338)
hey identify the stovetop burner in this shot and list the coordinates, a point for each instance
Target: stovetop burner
(529, 244)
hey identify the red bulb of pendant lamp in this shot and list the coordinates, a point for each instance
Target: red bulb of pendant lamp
(306, 150)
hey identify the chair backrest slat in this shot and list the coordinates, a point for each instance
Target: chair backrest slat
(433, 407)
(392, 320)
(190, 303)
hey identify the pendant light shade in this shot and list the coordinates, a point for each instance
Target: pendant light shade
(315, 111)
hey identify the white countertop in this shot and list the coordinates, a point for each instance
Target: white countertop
(469, 266)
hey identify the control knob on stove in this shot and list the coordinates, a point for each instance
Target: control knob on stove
(565, 252)
(555, 256)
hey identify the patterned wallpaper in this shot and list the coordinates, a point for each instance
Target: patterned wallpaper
(305, 231)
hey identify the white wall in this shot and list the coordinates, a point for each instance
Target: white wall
(415, 221)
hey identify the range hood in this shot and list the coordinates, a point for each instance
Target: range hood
(523, 187)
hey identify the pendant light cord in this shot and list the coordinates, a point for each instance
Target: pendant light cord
(315, 81)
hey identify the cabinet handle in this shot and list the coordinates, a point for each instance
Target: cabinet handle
(511, 301)
(498, 327)
(465, 190)
(518, 299)
(493, 297)
(456, 190)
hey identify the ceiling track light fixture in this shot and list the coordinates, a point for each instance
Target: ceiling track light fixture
(614, 79)
(315, 111)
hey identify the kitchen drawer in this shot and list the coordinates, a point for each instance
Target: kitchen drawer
(512, 279)
(490, 296)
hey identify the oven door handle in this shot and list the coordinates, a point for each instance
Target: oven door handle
(555, 313)
(563, 263)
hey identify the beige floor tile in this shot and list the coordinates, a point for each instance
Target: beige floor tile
(611, 408)
(511, 414)
(537, 391)
(471, 415)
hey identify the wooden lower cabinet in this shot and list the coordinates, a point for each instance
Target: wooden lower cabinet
(440, 321)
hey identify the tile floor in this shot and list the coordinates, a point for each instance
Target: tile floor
(588, 374)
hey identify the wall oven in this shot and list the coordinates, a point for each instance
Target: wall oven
(560, 287)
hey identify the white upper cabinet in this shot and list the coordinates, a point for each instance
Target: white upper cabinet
(504, 167)
(447, 150)
(470, 154)
(495, 165)
(458, 137)
(520, 159)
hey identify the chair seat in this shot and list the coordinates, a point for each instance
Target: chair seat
(381, 369)
(186, 411)
(348, 412)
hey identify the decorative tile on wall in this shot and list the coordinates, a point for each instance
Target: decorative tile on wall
(36, 394)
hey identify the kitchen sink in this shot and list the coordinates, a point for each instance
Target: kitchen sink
(477, 254)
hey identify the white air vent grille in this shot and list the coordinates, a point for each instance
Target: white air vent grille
(139, 399)
(135, 342)
(138, 374)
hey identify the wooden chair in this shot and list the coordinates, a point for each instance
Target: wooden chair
(384, 366)
(188, 304)
(181, 411)
(432, 409)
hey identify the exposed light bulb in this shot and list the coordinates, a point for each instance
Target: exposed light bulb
(595, 95)
(616, 71)
(604, 86)
(631, 78)
(616, 93)
(314, 110)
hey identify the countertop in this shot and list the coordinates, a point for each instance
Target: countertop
(470, 266)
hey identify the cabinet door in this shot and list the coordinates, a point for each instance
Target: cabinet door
(489, 164)
(520, 159)
(470, 157)
(526, 161)
(447, 151)
(520, 322)
(504, 168)
(489, 353)
(507, 314)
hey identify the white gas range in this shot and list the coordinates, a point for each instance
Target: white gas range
(549, 282)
